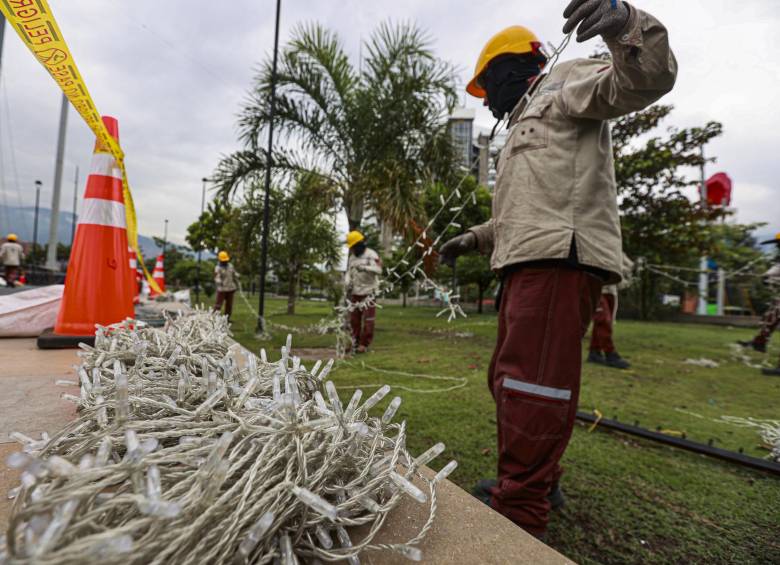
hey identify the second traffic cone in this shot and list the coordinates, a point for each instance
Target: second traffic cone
(158, 275)
(134, 274)
(97, 285)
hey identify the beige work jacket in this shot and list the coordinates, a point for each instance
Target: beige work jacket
(363, 273)
(556, 174)
(225, 278)
(11, 254)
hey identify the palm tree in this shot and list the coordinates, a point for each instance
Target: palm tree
(375, 134)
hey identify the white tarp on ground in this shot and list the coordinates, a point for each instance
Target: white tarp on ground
(28, 313)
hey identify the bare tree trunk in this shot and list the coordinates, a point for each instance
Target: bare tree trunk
(480, 297)
(387, 238)
(354, 207)
(292, 289)
(403, 294)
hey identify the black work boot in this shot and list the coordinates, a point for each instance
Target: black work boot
(771, 372)
(482, 491)
(757, 345)
(614, 360)
(556, 498)
(596, 357)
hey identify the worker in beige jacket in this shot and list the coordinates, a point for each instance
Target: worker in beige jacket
(364, 273)
(226, 281)
(554, 237)
(11, 256)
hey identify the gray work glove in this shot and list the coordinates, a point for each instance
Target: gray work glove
(596, 17)
(456, 247)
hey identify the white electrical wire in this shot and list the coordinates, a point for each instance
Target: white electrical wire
(180, 456)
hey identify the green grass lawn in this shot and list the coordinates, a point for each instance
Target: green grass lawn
(629, 501)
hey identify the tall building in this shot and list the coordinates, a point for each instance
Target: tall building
(478, 154)
(488, 152)
(461, 125)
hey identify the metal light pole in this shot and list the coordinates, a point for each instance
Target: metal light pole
(2, 35)
(51, 252)
(704, 289)
(267, 199)
(165, 237)
(75, 204)
(35, 221)
(204, 180)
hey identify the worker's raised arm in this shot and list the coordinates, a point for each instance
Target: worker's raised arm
(642, 70)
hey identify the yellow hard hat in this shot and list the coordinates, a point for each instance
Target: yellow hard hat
(12, 237)
(223, 256)
(514, 39)
(353, 238)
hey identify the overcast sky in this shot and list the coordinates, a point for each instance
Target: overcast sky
(174, 72)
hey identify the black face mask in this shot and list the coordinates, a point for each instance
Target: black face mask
(506, 80)
(358, 249)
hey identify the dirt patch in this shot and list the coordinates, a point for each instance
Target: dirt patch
(314, 353)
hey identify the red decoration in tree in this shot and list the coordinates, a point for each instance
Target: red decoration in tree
(719, 188)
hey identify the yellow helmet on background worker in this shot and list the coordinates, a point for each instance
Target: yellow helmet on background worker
(512, 40)
(12, 237)
(223, 256)
(353, 238)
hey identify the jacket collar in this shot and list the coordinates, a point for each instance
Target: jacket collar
(520, 107)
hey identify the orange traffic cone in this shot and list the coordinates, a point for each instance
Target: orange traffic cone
(158, 274)
(97, 287)
(134, 274)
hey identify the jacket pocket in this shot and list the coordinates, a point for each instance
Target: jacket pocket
(532, 411)
(534, 129)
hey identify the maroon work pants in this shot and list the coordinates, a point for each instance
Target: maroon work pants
(535, 380)
(603, 320)
(227, 299)
(11, 274)
(362, 322)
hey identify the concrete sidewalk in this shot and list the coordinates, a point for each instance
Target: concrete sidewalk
(465, 532)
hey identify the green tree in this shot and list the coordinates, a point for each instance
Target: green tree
(373, 134)
(472, 269)
(205, 233)
(302, 235)
(735, 248)
(659, 222)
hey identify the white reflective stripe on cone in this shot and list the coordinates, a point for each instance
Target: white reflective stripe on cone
(538, 390)
(101, 212)
(105, 165)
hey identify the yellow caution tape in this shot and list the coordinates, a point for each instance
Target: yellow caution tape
(34, 22)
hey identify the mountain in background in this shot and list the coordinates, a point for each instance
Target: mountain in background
(20, 220)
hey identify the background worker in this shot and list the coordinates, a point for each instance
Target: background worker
(226, 280)
(602, 346)
(364, 269)
(771, 317)
(11, 256)
(554, 235)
